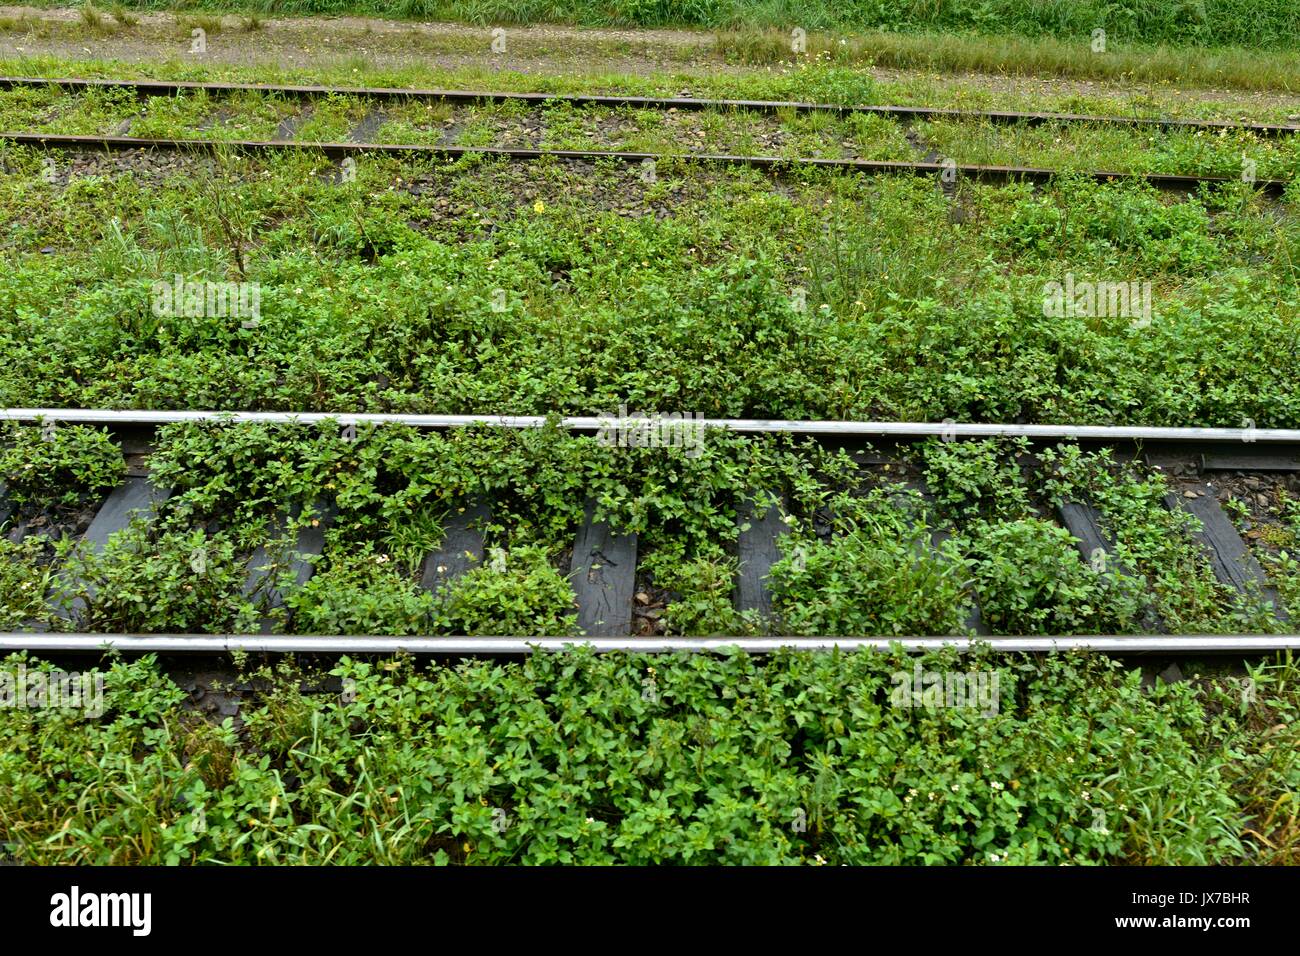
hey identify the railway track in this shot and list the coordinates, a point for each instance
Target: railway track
(603, 566)
(339, 150)
(146, 88)
(360, 140)
(217, 644)
(746, 426)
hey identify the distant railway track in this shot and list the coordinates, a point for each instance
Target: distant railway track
(604, 563)
(907, 113)
(339, 150)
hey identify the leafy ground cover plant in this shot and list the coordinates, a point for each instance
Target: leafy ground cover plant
(151, 579)
(58, 466)
(1284, 569)
(1031, 579)
(867, 582)
(794, 758)
(514, 592)
(702, 592)
(837, 297)
(360, 593)
(24, 579)
(977, 479)
(395, 484)
(873, 568)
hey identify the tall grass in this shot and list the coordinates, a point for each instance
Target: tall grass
(1236, 67)
(1272, 24)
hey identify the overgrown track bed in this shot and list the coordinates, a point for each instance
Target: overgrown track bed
(859, 297)
(917, 493)
(980, 173)
(1175, 154)
(146, 88)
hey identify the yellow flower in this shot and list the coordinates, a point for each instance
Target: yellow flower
(539, 206)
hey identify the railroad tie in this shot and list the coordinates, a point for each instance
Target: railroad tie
(1229, 555)
(1096, 546)
(974, 620)
(289, 126)
(758, 548)
(309, 544)
(368, 127)
(1271, 462)
(603, 571)
(1083, 521)
(461, 549)
(136, 497)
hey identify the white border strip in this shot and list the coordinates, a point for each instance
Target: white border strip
(475, 646)
(88, 416)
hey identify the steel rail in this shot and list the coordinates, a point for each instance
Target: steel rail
(686, 103)
(1272, 187)
(133, 417)
(483, 646)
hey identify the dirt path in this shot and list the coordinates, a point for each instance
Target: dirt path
(303, 42)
